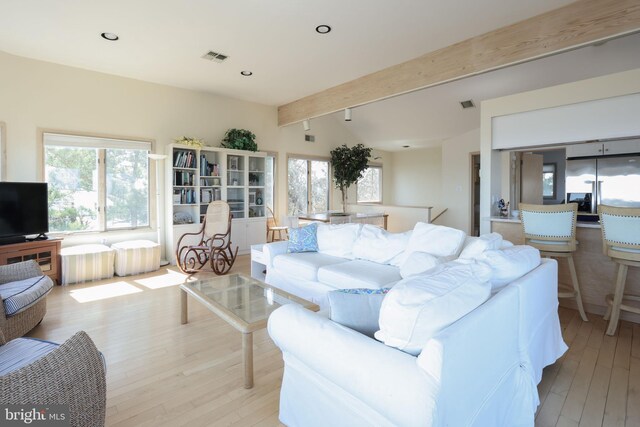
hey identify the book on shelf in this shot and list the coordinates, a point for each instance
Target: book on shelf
(183, 178)
(184, 196)
(207, 168)
(184, 159)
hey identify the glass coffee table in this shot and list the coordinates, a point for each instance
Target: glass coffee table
(243, 302)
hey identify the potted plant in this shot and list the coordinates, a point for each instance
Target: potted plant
(348, 165)
(239, 139)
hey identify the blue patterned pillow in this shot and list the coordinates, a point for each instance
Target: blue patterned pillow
(303, 239)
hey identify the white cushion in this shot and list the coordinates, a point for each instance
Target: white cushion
(338, 239)
(359, 274)
(475, 246)
(357, 309)
(378, 245)
(510, 263)
(418, 263)
(304, 265)
(435, 240)
(419, 307)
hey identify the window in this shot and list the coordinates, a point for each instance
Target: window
(548, 181)
(369, 187)
(308, 190)
(96, 184)
(270, 180)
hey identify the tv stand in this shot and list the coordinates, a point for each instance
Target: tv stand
(40, 236)
(45, 252)
(12, 239)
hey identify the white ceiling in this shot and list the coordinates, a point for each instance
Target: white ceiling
(163, 41)
(425, 118)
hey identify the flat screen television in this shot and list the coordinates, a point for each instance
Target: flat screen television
(24, 210)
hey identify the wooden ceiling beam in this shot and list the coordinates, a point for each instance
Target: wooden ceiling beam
(569, 27)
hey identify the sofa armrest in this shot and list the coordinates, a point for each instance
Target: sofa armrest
(383, 378)
(272, 250)
(19, 271)
(72, 374)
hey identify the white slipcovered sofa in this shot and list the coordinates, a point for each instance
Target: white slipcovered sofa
(480, 370)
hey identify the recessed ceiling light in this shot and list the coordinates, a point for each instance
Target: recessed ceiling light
(109, 36)
(405, 146)
(246, 73)
(323, 29)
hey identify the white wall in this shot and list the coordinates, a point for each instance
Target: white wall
(612, 85)
(456, 179)
(40, 95)
(417, 177)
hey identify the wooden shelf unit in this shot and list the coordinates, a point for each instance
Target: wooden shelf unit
(45, 252)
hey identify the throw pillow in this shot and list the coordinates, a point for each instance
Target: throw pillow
(436, 240)
(357, 309)
(378, 245)
(475, 246)
(418, 308)
(303, 239)
(337, 239)
(418, 263)
(510, 263)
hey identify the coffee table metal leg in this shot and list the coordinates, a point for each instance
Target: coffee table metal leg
(247, 355)
(183, 303)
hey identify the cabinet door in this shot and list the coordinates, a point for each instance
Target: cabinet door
(239, 235)
(631, 146)
(531, 179)
(256, 232)
(585, 150)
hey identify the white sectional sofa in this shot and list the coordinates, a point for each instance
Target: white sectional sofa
(479, 370)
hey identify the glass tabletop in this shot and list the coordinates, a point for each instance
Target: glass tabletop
(243, 297)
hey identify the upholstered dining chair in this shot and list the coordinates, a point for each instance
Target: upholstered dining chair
(621, 243)
(552, 230)
(273, 228)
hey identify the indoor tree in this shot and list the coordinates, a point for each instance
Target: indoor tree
(348, 164)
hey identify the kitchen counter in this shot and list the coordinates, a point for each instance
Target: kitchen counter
(596, 272)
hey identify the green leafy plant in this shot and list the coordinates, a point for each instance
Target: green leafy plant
(239, 139)
(348, 164)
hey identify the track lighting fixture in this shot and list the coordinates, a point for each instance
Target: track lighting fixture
(347, 114)
(306, 125)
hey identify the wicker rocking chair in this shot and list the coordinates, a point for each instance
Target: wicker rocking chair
(214, 246)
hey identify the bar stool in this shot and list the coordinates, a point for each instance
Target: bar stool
(621, 243)
(552, 230)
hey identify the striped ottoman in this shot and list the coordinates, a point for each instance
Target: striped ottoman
(136, 256)
(86, 262)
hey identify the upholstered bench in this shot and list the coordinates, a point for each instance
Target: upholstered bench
(136, 256)
(83, 263)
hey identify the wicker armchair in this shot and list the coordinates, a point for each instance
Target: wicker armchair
(21, 323)
(72, 374)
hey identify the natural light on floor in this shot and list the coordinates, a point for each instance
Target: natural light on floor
(171, 278)
(96, 293)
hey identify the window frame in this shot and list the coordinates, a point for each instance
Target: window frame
(554, 166)
(310, 159)
(3, 151)
(373, 166)
(102, 177)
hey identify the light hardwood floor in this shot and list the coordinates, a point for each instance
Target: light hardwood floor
(162, 373)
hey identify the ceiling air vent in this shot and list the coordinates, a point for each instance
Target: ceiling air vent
(467, 104)
(310, 138)
(215, 56)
